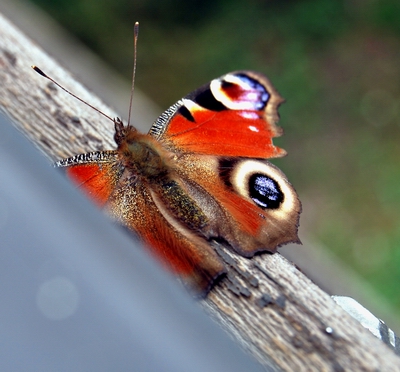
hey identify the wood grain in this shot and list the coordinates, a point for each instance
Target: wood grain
(274, 311)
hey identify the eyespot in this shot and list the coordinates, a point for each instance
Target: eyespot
(239, 91)
(261, 183)
(265, 191)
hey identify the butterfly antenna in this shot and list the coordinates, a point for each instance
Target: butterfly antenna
(135, 38)
(40, 72)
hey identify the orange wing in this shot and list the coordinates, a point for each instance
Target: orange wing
(234, 115)
(96, 173)
(180, 249)
(102, 177)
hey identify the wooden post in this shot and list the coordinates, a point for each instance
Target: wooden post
(266, 303)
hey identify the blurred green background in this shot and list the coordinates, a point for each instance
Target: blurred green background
(337, 63)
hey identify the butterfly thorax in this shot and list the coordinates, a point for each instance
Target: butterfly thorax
(144, 156)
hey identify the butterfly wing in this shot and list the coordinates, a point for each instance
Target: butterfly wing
(249, 203)
(180, 249)
(96, 173)
(106, 181)
(221, 132)
(234, 115)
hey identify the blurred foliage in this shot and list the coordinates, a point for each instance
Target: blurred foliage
(337, 63)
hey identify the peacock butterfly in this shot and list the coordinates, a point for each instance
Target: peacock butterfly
(199, 174)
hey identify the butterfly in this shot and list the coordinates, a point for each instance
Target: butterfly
(200, 174)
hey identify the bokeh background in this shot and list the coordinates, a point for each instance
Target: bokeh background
(337, 63)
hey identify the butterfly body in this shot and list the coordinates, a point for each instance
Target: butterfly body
(199, 174)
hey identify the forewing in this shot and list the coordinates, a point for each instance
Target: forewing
(234, 115)
(95, 173)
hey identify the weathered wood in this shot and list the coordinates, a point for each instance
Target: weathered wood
(290, 320)
(269, 306)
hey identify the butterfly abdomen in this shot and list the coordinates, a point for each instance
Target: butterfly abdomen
(182, 206)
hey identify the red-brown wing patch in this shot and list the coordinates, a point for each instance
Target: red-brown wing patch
(178, 248)
(225, 133)
(96, 173)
